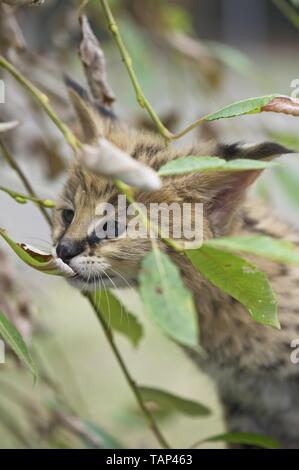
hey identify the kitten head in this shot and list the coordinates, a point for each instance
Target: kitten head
(95, 243)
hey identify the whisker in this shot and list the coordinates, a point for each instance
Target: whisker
(109, 309)
(112, 282)
(122, 277)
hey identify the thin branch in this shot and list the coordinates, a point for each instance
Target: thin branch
(23, 198)
(76, 144)
(134, 387)
(142, 100)
(15, 167)
(288, 10)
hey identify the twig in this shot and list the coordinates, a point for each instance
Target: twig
(134, 387)
(15, 166)
(23, 198)
(142, 100)
(289, 11)
(76, 144)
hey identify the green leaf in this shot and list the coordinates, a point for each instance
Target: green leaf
(41, 261)
(244, 438)
(239, 108)
(243, 164)
(118, 317)
(281, 251)
(170, 402)
(240, 279)
(208, 163)
(13, 338)
(288, 180)
(166, 299)
(190, 164)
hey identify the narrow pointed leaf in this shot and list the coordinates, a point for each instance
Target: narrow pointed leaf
(193, 164)
(190, 164)
(170, 402)
(269, 103)
(239, 108)
(35, 258)
(281, 251)
(118, 317)
(244, 438)
(167, 301)
(240, 279)
(12, 337)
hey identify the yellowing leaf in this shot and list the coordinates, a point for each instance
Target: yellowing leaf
(33, 257)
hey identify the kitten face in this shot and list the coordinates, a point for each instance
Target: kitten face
(96, 260)
(99, 261)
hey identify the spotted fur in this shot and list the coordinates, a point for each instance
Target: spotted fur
(250, 363)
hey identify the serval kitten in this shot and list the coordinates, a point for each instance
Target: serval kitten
(250, 363)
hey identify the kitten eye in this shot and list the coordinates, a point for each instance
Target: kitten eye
(118, 229)
(67, 216)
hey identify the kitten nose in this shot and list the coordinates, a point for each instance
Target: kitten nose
(68, 249)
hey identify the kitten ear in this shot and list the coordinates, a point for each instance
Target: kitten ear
(95, 120)
(226, 190)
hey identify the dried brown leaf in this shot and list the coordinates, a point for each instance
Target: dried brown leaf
(94, 62)
(283, 104)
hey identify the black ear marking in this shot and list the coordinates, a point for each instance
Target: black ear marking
(83, 94)
(73, 85)
(263, 151)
